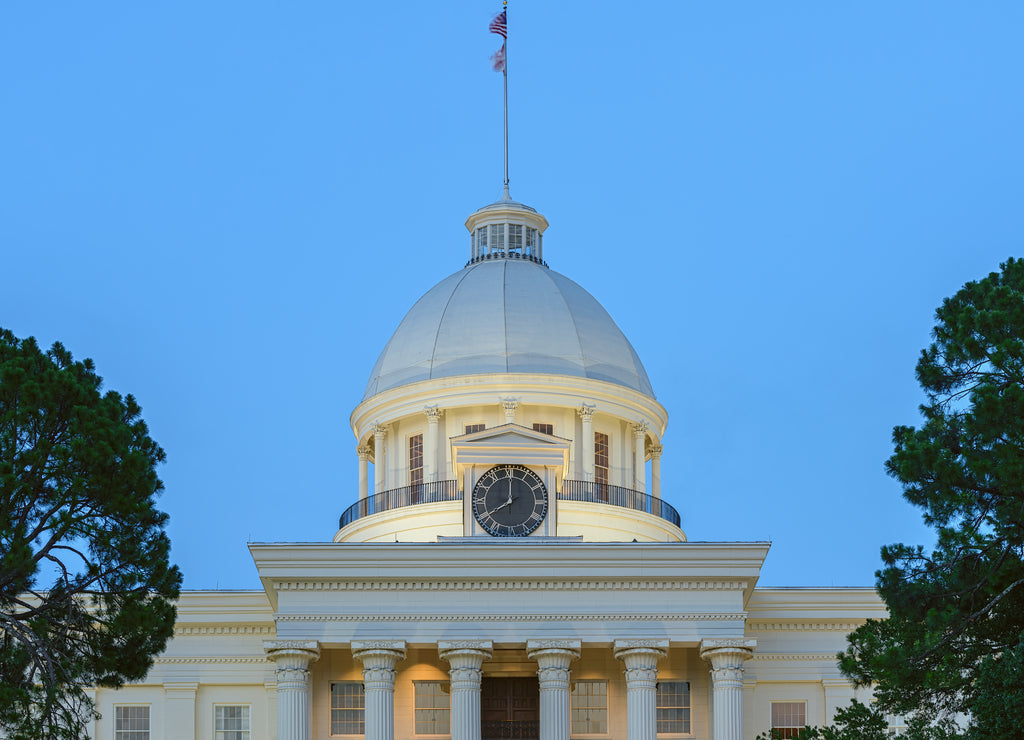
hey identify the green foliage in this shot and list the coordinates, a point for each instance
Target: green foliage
(866, 722)
(957, 613)
(86, 586)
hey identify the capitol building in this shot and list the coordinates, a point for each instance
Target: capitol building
(507, 567)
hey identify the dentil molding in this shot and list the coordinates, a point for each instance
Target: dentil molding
(513, 585)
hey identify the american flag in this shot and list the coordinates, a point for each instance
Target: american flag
(500, 25)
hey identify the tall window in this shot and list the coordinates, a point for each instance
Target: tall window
(673, 707)
(497, 238)
(347, 705)
(231, 723)
(589, 707)
(544, 428)
(601, 465)
(415, 459)
(470, 428)
(131, 723)
(515, 239)
(897, 724)
(433, 707)
(789, 717)
(531, 242)
(481, 241)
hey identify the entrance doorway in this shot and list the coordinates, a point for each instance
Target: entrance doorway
(510, 708)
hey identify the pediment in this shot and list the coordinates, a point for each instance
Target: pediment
(509, 435)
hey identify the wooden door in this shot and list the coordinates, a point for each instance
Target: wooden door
(510, 709)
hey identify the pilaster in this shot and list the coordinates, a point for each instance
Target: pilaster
(465, 657)
(180, 711)
(639, 455)
(727, 658)
(553, 660)
(656, 451)
(838, 693)
(293, 678)
(510, 405)
(641, 660)
(379, 658)
(430, 451)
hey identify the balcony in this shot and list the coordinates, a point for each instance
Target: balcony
(448, 490)
(627, 498)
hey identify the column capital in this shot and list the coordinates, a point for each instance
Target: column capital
(536, 649)
(740, 648)
(639, 647)
(655, 451)
(292, 651)
(640, 429)
(370, 648)
(586, 412)
(451, 648)
(363, 452)
(433, 413)
(379, 430)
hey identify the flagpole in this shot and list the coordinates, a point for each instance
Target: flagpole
(504, 77)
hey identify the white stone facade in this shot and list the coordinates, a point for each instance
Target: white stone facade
(601, 622)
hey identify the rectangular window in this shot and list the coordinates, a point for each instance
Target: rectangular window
(544, 428)
(470, 428)
(231, 723)
(497, 238)
(531, 242)
(481, 241)
(897, 725)
(601, 465)
(347, 705)
(131, 722)
(515, 238)
(673, 707)
(433, 707)
(415, 459)
(588, 705)
(789, 717)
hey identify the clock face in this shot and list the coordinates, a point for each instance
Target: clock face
(510, 501)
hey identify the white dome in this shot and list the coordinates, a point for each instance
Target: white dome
(507, 316)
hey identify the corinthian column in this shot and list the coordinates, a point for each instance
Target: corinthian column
(379, 461)
(379, 658)
(363, 452)
(641, 658)
(553, 659)
(640, 438)
(293, 658)
(465, 658)
(727, 658)
(430, 444)
(656, 470)
(587, 417)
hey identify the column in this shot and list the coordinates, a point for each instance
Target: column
(430, 451)
(379, 658)
(91, 693)
(180, 711)
(727, 658)
(838, 694)
(656, 470)
(363, 452)
(639, 438)
(553, 659)
(510, 405)
(293, 698)
(465, 658)
(587, 417)
(641, 659)
(379, 461)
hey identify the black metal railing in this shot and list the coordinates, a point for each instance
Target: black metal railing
(522, 729)
(603, 493)
(396, 498)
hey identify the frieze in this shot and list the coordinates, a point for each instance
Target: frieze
(209, 660)
(513, 585)
(787, 657)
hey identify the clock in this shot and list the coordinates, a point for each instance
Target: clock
(510, 501)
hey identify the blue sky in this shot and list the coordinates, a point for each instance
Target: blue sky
(230, 206)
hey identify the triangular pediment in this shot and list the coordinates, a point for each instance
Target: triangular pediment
(512, 435)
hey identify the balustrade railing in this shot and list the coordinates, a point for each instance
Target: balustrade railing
(604, 493)
(396, 498)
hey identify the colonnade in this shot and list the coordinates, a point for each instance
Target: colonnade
(465, 659)
(431, 440)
